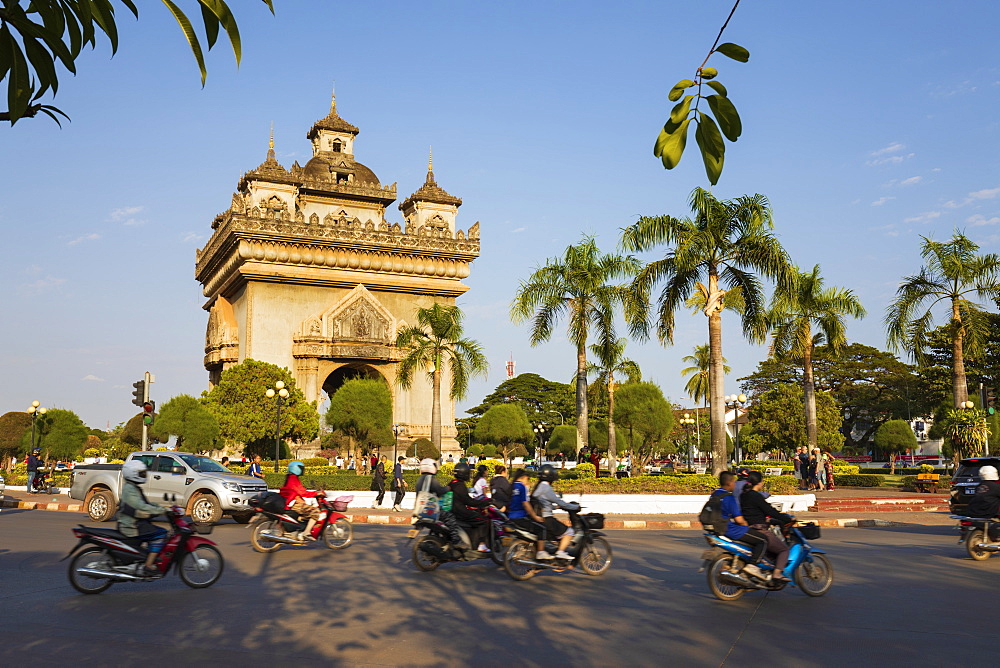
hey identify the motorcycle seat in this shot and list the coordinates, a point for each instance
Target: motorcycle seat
(114, 533)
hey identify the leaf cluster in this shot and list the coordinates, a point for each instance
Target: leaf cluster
(719, 120)
(362, 409)
(195, 428)
(38, 37)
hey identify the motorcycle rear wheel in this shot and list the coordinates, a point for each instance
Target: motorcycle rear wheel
(93, 557)
(596, 557)
(520, 550)
(258, 543)
(720, 589)
(816, 577)
(338, 535)
(972, 539)
(422, 560)
(200, 575)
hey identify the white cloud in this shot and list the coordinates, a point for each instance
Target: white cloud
(192, 236)
(979, 220)
(891, 160)
(894, 147)
(986, 193)
(913, 180)
(882, 200)
(126, 215)
(91, 376)
(520, 229)
(86, 237)
(42, 285)
(925, 217)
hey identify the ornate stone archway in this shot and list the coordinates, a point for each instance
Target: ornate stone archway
(303, 270)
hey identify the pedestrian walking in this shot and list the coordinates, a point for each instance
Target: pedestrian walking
(819, 463)
(398, 484)
(829, 472)
(254, 470)
(378, 481)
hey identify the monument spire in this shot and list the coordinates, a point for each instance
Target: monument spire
(430, 168)
(270, 145)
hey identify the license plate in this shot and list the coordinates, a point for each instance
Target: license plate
(412, 533)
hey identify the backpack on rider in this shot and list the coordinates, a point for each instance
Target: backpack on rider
(711, 514)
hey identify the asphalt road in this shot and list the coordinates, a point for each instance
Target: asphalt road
(902, 596)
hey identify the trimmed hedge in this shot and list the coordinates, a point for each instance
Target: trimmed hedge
(858, 480)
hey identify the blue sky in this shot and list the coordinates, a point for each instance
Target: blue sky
(866, 124)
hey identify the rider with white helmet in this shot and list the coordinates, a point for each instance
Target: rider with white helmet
(134, 512)
(986, 502)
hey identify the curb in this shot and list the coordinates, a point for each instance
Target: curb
(403, 519)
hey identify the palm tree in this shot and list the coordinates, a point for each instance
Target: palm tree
(952, 273)
(795, 308)
(611, 360)
(697, 386)
(724, 246)
(436, 344)
(578, 286)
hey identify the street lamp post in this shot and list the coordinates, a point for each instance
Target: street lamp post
(687, 421)
(280, 396)
(737, 401)
(35, 410)
(562, 420)
(395, 442)
(540, 433)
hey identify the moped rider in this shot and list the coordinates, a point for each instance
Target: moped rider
(134, 512)
(34, 463)
(295, 494)
(986, 502)
(463, 506)
(546, 498)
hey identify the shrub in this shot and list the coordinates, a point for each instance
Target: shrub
(858, 480)
(926, 468)
(316, 461)
(91, 452)
(781, 484)
(585, 470)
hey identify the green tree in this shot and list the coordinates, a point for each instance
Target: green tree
(436, 343)
(504, 427)
(799, 306)
(953, 274)
(562, 440)
(38, 37)
(580, 287)
(724, 247)
(611, 360)
(13, 426)
(542, 400)
(423, 448)
(131, 432)
(968, 431)
(776, 422)
(362, 410)
(895, 437)
(185, 417)
(645, 414)
(60, 434)
(246, 415)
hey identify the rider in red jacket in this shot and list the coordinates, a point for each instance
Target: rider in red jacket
(295, 494)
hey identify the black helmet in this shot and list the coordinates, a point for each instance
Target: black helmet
(548, 473)
(742, 472)
(462, 471)
(36, 451)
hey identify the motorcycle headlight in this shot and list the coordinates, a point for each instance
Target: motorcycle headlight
(231, 486)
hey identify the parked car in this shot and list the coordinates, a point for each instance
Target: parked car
(201, 485)
(939, 463)
(965, 481)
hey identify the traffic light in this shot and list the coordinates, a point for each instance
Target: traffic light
(991, 400)
(139, 393)
(148, 413)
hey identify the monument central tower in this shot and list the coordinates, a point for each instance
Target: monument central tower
(304, 271)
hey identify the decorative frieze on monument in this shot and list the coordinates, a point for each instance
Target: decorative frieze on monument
(304, 270)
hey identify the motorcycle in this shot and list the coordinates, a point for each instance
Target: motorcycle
(114, 557)
(42, 482)
(433, 542)
(273, 525)
(808, 568)
(980, 535)
(589, 548)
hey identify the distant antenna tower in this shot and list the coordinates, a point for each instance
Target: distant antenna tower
(510, 366)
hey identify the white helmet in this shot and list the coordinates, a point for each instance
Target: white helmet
(988, 473)
(428, 466)
(134, 471)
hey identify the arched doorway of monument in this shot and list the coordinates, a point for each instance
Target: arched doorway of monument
(397, 441)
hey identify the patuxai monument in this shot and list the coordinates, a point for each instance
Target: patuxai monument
(304, 270)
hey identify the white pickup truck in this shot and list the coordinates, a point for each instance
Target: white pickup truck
(203, 486)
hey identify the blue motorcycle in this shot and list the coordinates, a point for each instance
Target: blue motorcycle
(807, 567)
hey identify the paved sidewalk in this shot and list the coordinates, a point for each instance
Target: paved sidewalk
(61, 502)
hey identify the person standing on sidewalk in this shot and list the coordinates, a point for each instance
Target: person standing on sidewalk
(398, 484)
(378, 481)
(33, 464)
(254, 470)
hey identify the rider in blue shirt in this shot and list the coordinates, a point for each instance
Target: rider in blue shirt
(737, 527)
